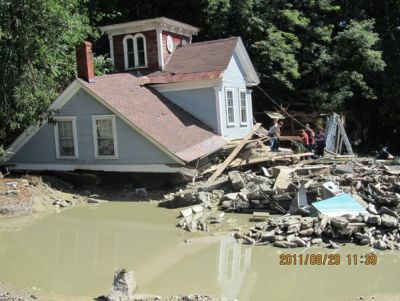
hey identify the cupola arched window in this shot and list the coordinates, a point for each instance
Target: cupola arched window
(135, 52)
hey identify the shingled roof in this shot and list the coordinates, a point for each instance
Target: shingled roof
(155, 116)
(204, 60)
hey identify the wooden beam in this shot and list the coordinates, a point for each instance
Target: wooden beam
(233, 154)
(268, 158)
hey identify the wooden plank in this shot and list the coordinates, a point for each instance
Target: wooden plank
(234, 153)
(268, 158)
(263, 146)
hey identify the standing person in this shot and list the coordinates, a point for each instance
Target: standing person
(274, 132)
(321, 142)
(304, 139)
(311, 137)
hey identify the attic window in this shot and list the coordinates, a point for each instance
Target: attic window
(135, 51)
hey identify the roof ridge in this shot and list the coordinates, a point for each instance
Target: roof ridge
(212, 41)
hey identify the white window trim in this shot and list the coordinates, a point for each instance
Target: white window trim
(114, 130)
(66, 118)
(135, 49)
(233, 106)
(246, 107)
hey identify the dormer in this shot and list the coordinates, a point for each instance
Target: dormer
(146, 45)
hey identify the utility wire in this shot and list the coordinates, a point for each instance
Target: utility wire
(278, 106)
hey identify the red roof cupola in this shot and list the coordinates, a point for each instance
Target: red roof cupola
(146, 45)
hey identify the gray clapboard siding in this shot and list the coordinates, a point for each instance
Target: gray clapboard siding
(234, 77)
(132, 147)
(198, 102)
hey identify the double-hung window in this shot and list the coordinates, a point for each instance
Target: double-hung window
(243, 107)
(135, 52)
(65, 138)
(105, 137)
(230, 110)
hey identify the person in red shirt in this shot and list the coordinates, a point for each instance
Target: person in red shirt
(305, 140)
(311, 137)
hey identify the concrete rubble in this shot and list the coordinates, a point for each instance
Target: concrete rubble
(290, 191)
(124, 286)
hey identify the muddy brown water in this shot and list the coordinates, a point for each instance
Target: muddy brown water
(73, 254)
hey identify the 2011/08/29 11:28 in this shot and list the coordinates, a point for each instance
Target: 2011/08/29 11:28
(327, 259)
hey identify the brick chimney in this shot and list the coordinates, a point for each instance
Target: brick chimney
(84, 61)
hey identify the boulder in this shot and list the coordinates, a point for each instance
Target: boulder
(389, 221)
(124, 286)
(316, 241)
(339, 222)
(236, 180)
(307, 232)
(299, 242)
(374, 220)
(380, 245)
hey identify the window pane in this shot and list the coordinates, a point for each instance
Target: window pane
(129, 44)
(66, 144)
(105, 139)
(229, 106)
(243, 107)
(141, 59)
(141, 52)
(131, 53)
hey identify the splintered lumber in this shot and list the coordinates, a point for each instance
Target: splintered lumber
(267, 158)
(233, 154)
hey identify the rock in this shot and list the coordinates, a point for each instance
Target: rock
(293, 228)
(372, 209)
(236, 180)
(374, 220)
(231, 196)
(307, 222)
(364, 241)
(386, 210)
(321, 224)
(243, 205)
(12, 192)
(92, 201)
(299, 242)
(316, 241)
(334, 245)
(285, 244)
(197, 209)
(380, 245)
(339, 222)
(12, 184)
(389, 221)
(226, 205)
(124, 286)
(307, 232)
(186, 212)
(269, 236)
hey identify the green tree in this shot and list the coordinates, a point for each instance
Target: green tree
(37, 57)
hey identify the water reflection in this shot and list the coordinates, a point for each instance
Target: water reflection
(233, 263)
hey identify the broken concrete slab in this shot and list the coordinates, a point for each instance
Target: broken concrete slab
(283, 178)
(236, 180)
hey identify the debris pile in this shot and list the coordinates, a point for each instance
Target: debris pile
(320, 202)
(291, 231)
